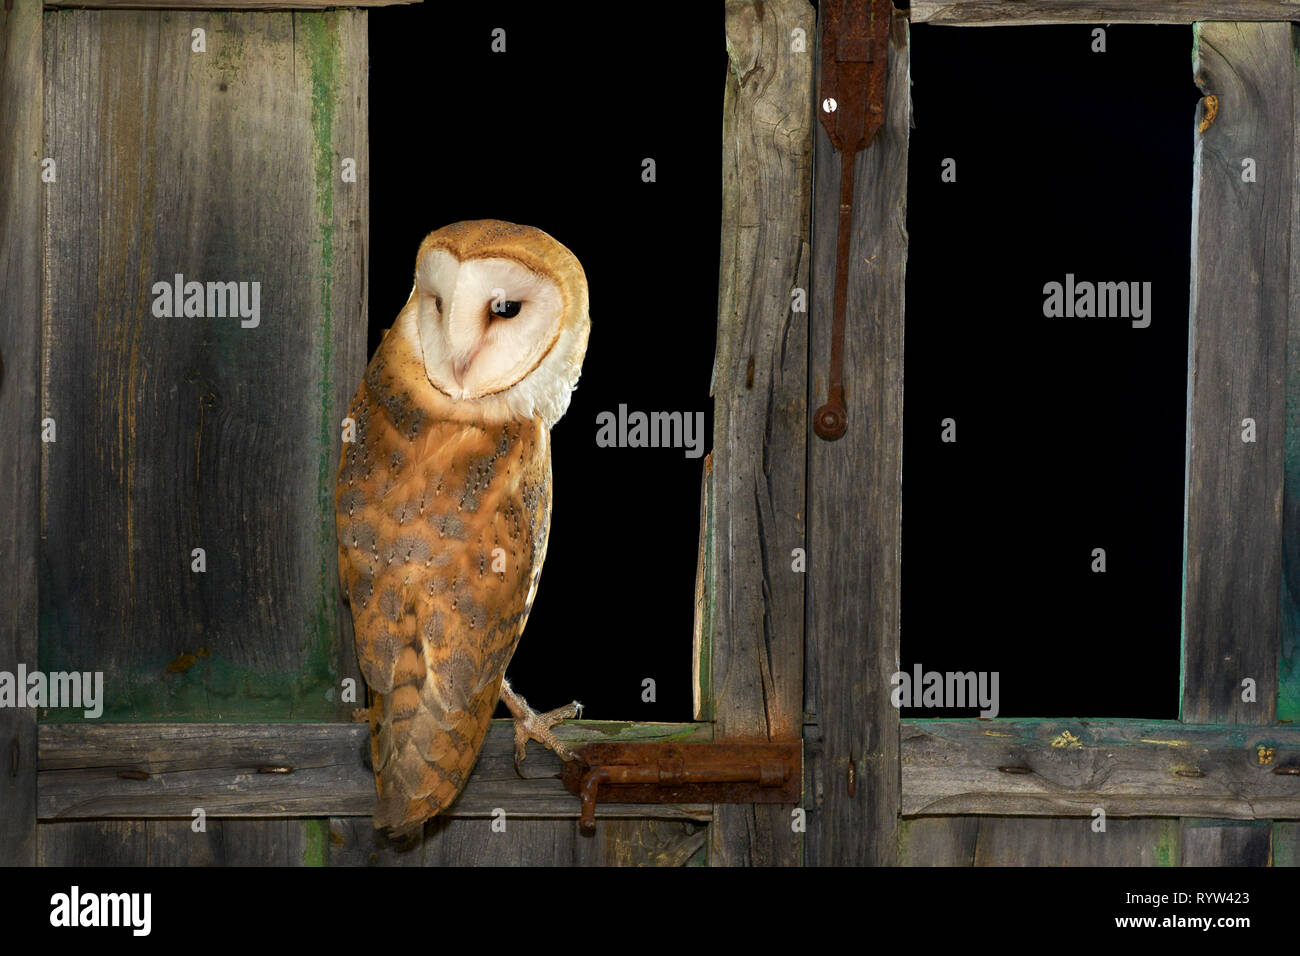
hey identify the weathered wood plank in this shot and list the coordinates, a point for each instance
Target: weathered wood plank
(188, 432)
(938, 841)
(285, 842)
(1285, 842)
(522, 843)
(1047, 842)
(1005, 13)
(761, 418)
(1127, 768)
(1234, 554)
(702, 633)
(354, 841)
(1288, 683)
(21, 204)
(854, 500)
(1284, 847)
(561, 843)
(1241, 247)
(650, 843)
(94, 843)
(219, 4)
(1225, 843)
(219, 767)
(1037, 841)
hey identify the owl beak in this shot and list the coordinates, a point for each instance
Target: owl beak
(461, 365)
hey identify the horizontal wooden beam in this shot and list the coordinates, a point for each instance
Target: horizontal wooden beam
(92, 771)
(1127, 768)
(1007, 13)
(219, 4)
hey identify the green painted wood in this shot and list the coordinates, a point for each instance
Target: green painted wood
(21, 203)
(183, 433)
(1285, 845)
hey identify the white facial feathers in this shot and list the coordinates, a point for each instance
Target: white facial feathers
(484, 323)
(494, 335)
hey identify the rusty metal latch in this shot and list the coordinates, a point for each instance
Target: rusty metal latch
(855, 57)
(684, 773)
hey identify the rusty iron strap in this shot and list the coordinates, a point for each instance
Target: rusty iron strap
(855, 54)
(684, 773)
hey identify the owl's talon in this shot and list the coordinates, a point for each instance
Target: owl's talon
(530, 725)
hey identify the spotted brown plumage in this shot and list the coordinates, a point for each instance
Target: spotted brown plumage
(443, 509)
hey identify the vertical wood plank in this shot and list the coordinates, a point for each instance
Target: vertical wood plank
(761, 417)
(1041, 841)
(195, 432)
(1288, 684)
(1285, 845)
(1037, 841)
(854, 501)
(938, 841)
(1235, 600)
(1225, 842)
(21, 122)
(1285, 838)
(281, 842)
(525, 842)
(1241, 249)
(354, 841)
(702, 633)
(94, 843)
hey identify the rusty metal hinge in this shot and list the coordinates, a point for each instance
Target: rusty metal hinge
(855, 57)
(684, 773)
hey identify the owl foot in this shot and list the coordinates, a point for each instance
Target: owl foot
(530, 725)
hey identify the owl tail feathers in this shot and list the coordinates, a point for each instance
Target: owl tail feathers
(402, 818)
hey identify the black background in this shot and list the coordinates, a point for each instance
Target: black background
(1070, 432)
(552, 133)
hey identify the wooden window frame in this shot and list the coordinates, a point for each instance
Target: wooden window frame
(1223, 760)
(782, 655)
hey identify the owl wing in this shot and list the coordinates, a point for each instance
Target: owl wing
(442, 533)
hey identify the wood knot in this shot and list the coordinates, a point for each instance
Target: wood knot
(1209, 111)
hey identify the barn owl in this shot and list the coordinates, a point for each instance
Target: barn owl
(443, 502)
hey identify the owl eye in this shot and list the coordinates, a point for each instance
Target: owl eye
(506, 309)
